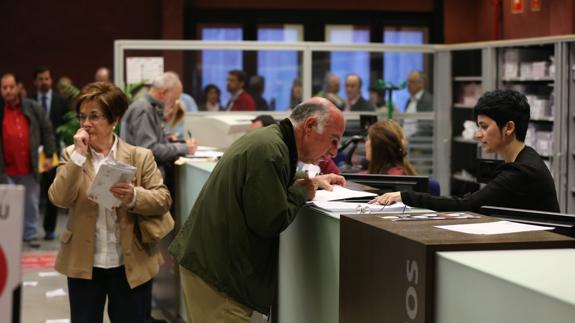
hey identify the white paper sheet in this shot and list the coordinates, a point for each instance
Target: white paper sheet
(339, 193)
(108, 175)
(30, 283)
(498, 227)
(350, 207)
(56, 293)
(48, 274)
(202, 148)
(206, 154)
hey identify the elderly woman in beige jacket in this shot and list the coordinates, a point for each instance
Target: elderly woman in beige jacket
(101, 249)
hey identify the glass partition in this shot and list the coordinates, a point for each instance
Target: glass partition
(360, 79)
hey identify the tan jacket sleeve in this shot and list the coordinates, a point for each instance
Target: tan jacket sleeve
(64, 190)
(152, 196)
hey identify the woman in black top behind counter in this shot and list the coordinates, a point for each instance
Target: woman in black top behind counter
(523, 181)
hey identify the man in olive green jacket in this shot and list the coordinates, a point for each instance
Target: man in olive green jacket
(228, 248)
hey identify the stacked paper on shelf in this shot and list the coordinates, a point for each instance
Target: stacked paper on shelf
(108, 175)
(540, 69)
(525, 70)
(510, 70)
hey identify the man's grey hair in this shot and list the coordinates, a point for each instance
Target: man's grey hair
(306, 110)
(168, 80)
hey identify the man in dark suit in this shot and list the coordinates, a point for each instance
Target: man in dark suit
(55, 106)
(355, 102)
(420, 101)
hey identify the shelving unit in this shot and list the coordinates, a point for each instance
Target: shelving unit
(569, 95)
(466, 83)
(531, 71)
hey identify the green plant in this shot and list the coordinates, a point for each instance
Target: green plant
(389, 87)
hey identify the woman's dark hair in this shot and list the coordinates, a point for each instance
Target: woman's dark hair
(207, 89)
(503, 106)
(388, 148)
(109, 97)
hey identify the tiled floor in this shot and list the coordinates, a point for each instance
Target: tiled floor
(39, 279)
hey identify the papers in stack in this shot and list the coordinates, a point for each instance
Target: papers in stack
(206, 154)
(340, 193)
(108, 175)
(350, 207)
(202, 148)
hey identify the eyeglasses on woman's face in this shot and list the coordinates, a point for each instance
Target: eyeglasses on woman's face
(92, 117)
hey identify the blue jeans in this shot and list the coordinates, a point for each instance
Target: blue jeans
(31, 203)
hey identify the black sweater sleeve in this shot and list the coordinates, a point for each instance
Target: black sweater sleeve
(503, 190)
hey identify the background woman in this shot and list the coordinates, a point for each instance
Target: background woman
(523, 181)
(211, 98)
(101, 251)
(386, 150)
(174, 121)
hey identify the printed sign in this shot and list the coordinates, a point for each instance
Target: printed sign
(143, 69)
(11, 223)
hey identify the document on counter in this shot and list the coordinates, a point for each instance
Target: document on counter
(350, 207)
(498, 227)
(206, 154)
(204, 148)
(108, 175)
(340, 193)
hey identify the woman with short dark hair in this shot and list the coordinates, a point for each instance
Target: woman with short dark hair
(523, 181)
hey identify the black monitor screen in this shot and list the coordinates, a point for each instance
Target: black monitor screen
(563, 223)
(390, 183)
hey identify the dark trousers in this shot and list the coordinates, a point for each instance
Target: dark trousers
(88, 297)
(50, 210)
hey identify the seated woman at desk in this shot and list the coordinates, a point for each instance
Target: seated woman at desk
(522, 181)
(386, 150)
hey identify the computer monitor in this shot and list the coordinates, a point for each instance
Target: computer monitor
(390, 183)
(563, 223)
(218, 130)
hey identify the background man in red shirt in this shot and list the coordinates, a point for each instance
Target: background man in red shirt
(25, 126)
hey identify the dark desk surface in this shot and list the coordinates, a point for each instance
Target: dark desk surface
(426, 233)
(394, 263)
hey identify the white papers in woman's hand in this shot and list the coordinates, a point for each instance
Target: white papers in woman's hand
(339, 193)
(108, 175)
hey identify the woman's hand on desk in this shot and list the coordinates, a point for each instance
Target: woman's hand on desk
(387, 198)
(325, 181)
